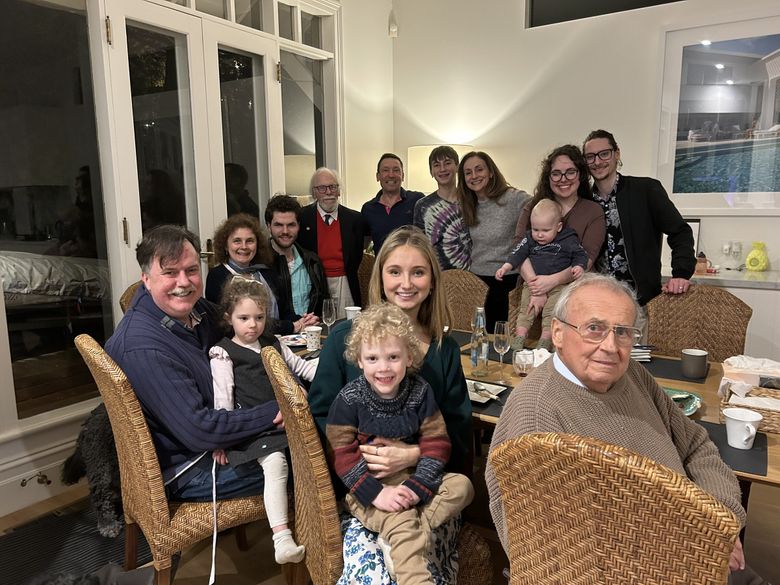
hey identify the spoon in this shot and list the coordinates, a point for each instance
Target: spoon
(480, 389)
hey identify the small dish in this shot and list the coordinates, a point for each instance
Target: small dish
(485, 392)
(689, 402)
(295, 340)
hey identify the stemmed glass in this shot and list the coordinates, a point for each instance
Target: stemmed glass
(329, 313)
(501, 345)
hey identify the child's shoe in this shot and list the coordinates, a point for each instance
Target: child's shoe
(545, 344)
(518, 342)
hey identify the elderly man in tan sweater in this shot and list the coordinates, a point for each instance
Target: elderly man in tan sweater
(591, 388)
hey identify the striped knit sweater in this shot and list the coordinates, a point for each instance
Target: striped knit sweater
(635, 413)
(358, 415)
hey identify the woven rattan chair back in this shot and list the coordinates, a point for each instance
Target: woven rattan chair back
(168, 527)
(465, 292)
(578, 510)
(364, 275)
(706, 317)
(316, 516)
(127, 296)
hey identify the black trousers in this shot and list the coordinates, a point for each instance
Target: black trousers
(497, 301)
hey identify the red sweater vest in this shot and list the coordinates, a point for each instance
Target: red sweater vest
(329, 247)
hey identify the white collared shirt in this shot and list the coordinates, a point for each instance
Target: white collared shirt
(333, 214)
(561, 368)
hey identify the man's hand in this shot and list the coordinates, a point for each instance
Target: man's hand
(220, 456)
(676, 286)
(737, 558)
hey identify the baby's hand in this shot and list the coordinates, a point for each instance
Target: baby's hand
(576, 272)
(505, 267)
(392, 499)
(220, 456)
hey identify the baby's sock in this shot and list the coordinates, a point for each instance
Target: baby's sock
(285, 549)
(384, 546)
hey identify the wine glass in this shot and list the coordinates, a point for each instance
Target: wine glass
(501, 345)
(329, 312)
(523, 362)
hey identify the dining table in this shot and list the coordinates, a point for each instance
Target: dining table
(485, 415)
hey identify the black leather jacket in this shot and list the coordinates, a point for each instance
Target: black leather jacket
(319, 285)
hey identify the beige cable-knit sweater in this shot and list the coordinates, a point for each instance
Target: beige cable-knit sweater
(635, 413)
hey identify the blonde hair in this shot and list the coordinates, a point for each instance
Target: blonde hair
(548, 208)
(378, 323)
(434, 314)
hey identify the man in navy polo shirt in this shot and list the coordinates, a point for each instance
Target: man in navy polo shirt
(393, 206)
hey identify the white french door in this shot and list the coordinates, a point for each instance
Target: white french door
(189, 96)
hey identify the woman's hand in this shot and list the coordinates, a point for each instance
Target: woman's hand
(542, 284)
(278, 421)
(387, 456)
(536, 304)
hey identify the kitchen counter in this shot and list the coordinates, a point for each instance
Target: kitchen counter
(768, 280)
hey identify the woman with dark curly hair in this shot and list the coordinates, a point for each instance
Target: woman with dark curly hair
(564, 179)
(240, 248)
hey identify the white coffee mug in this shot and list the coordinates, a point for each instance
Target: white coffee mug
(352, 312)
(312, 334)
(741, 427)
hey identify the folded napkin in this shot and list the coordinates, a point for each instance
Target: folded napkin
(762, 365)
(727, 385)
(756, 402)
(540, 356)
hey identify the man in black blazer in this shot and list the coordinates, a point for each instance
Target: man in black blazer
(340, 250)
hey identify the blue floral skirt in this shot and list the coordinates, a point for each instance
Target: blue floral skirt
(364, 565)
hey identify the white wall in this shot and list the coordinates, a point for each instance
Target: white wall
(368, 95)
(471, 73)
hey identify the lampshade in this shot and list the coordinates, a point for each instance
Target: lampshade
(418, 174)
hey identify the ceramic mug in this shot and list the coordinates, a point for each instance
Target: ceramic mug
(352, 312)
(312, 334)
(741, 427)
(694, 363)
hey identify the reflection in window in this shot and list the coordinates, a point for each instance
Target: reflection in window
(302, 112)
(243, 131)
(728, 136)
(311, 30)
(250, 13)
(53, 257)
(213, 7)
(286, 22)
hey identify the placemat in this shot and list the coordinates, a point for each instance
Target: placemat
(746, 460)
(492, 407)
(670, 369)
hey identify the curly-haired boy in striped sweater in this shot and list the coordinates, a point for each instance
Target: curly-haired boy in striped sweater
(391, 402)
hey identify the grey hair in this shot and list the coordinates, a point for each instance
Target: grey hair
(333, 173)
(593, 279)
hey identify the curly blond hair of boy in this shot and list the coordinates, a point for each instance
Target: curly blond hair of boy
(379, 322)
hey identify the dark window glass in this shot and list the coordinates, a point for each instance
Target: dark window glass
(541, 12)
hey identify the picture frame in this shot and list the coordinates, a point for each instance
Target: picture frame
(707, 192)
(666, 251)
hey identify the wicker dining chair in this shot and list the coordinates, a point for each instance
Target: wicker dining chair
(578, 510)
(364, 275)
(169, 527)
(705, 317)
(316, 516)
(127, 296)
(464, 291)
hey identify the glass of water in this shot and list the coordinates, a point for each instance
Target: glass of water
(501, 345)
(329, 309)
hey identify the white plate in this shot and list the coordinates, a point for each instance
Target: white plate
(296, 340)
(480, 398)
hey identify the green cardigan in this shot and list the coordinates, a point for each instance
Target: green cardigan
(441, 369)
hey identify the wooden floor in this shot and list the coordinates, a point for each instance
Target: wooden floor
(257, 567)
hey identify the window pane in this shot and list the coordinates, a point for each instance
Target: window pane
(212, 7)
(302, 112)
(243, 130)
(159, 83)
(310, 30)
(286, 23)
(53, 257)
(541, 12)
(250, 13)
